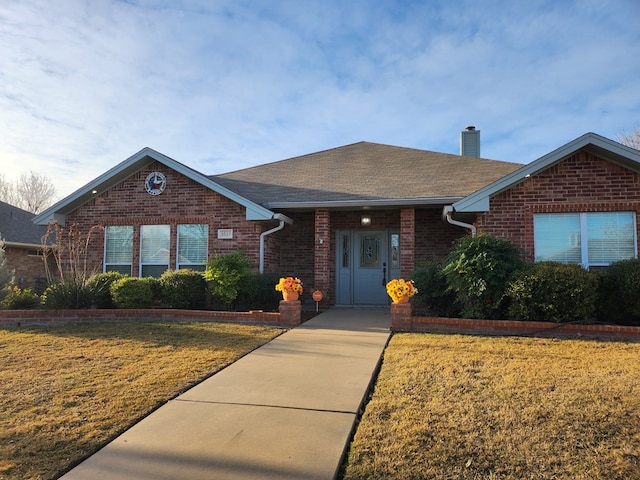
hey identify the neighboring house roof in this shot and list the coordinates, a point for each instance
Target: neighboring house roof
(365, 174)
(600, 146)
(132, 165)
(17, 228)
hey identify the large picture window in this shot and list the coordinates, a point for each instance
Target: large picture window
(594, 239)
(155, 243)
(193, 246)
(118, 249)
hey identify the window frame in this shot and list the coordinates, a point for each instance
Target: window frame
(166, 246)
(198, 266)
(106, 265)
(585, 236)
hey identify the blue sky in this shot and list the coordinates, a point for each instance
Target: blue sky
(222, 85)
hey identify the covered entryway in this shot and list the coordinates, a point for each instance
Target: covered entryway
(365, 261)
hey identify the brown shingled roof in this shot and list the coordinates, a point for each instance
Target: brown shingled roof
(364, 172)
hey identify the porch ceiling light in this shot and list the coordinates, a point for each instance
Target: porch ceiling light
(365, 220)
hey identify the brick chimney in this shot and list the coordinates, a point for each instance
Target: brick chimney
(470, 142)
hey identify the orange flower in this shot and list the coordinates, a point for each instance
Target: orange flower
(289, 284)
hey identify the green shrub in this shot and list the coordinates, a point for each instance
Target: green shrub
(99, 286)
(71, 294)
(619, 293)
(183, 288)
(133, 292)
(21, 299)
(553, 292)
(434, 296)
(258, 293)
(478, 270)
(227, 275)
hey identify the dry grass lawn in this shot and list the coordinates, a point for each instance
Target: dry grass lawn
(67, 390)
(463, 407)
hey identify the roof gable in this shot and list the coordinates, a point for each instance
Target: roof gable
(600, 146)
(365, 174)
(129, 167)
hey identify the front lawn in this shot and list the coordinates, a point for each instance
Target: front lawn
(67, 390)
(463, 407)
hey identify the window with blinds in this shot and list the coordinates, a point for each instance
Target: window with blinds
(593, 239)
(118, 249)
(155, 242)
(193, 246)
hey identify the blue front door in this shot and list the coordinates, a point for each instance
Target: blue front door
(367, 259)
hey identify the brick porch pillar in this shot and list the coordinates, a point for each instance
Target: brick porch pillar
(290, 313)
(401, 317)
(407, 241)
(321, 257)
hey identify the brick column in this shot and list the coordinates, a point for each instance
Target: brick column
(321, 257)
(290, 313)
(401, 317)
(407, 241)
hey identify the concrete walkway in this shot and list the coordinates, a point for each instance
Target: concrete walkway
(285, 411)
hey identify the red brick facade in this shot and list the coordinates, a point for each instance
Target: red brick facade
(307, 247)
(183, 201)
(28, 267)
(581, 183)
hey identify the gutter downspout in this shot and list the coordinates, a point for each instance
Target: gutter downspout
(447, 211)
(283, 219)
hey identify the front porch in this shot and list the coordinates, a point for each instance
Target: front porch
(349, 260)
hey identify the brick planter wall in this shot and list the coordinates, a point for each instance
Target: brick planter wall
(402, 321)
(290, 315)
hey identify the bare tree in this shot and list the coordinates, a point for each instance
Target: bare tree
(631, 139)
(32, 192)
(6, 190)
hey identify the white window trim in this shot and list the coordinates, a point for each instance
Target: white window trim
(105, 264)
(141, 263)
(179, 264)
(584, 244)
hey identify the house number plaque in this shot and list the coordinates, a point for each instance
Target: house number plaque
(225, 233)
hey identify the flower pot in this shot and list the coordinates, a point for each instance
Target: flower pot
(404, 299)
(289, 295)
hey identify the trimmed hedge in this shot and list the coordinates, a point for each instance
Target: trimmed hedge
(186, 289)
(553, 292)
(619, 293)
(133, 292)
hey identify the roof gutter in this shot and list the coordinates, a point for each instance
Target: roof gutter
(21, 244)
(447, 211)
(283, 219)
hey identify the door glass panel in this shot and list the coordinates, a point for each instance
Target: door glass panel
(345, 251)
(395, 250)
(370, 251)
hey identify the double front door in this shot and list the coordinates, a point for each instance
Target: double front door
(366, 261)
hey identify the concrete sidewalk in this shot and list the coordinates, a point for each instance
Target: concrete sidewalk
(285, 411)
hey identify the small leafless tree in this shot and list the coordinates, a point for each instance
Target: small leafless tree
(631, 139)
(32, 192)
(69, 248)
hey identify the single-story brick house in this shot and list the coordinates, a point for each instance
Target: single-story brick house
(347, 219)
(22, 241)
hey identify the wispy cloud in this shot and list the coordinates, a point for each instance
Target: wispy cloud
(222, 85)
